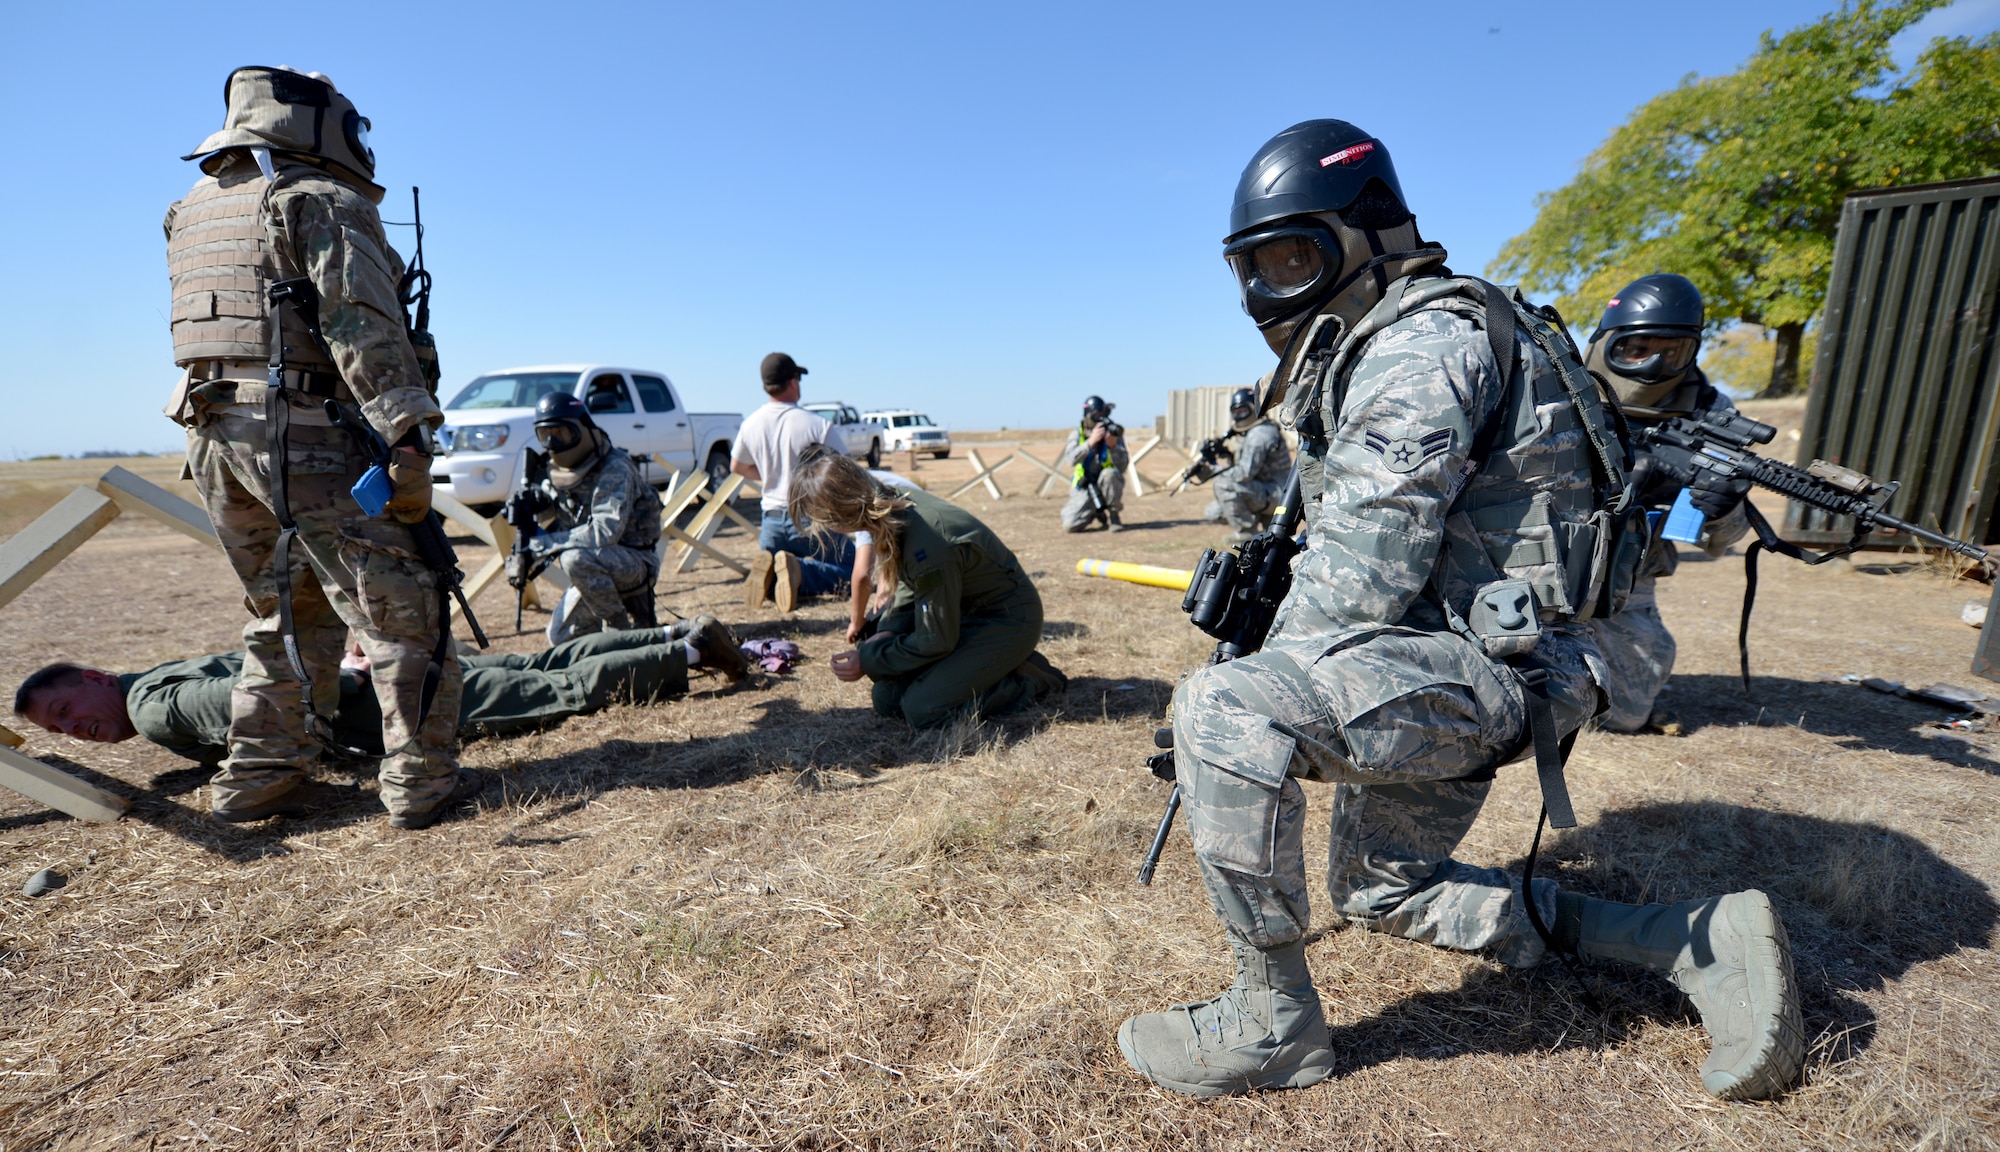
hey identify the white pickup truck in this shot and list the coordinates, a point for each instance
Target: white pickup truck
(850, 434)
(490, 423)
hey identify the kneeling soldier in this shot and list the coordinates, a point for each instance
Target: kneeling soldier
(1248, 491)
(1455, 462)
(601, 527)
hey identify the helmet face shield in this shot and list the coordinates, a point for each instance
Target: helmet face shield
(1283, 271)
(1652, 354)
(559, 437)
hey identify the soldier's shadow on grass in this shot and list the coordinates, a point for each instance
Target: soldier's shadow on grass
(1856, 715)
(159, 805)
(813, 746)
(1860, 904)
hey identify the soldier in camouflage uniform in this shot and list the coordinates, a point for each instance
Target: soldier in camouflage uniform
(1249, 490)
(601, 527)
(287, 194)
(1456, 466)
(1097, 457)
(1645, 346)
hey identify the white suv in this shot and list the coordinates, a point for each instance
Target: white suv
(909, 431)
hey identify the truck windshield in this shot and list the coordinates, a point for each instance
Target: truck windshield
(520, 390)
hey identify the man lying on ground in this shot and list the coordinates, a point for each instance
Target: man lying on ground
(184, 706)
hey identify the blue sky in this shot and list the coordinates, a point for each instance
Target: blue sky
(982, 211)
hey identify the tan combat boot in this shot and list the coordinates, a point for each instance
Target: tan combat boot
(1729, 954)
(1264, 1031)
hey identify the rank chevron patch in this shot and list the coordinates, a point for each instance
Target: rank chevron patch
(1404, 454)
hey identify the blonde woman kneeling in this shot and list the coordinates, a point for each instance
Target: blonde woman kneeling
(962, 630)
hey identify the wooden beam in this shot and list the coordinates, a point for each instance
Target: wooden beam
(10, 738)
(668, 532)
(32, 551)
(134, 493)
(703, 526)
(675, 502)
(451, 508)
(1132, 466)
(984, 476)
(1053, 477)
(58, 789)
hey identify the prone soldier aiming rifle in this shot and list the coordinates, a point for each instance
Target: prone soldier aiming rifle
(1233, 597)
(1684, 447)
(520, 511)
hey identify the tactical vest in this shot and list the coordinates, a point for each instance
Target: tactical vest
(1548, 501)
(221, 262)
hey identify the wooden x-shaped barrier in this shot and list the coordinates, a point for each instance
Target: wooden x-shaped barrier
(28, 555)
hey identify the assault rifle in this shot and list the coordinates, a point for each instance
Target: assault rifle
(1685, 447)
(1233, 597)
(527, 502)
(1210, 456)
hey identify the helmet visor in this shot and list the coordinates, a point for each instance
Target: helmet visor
(1280, 270)
(559, 437)
(1658, 354)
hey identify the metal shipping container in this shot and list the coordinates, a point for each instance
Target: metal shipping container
(1904, 380)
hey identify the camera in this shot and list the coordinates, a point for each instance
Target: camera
(1112, 428)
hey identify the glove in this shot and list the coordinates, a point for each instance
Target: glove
(517, 569)
(410, 480)
(1715, 495)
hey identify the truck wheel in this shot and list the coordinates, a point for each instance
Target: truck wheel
(874, 453)
(717, 469)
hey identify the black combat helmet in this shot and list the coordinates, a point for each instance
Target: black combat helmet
(560, 419)
(1095, 410)
(1652, 329)
(1286, 261)
(1242, 405)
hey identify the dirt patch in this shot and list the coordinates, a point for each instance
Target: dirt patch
(763, 919)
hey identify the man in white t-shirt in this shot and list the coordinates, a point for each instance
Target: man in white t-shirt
(790, 564)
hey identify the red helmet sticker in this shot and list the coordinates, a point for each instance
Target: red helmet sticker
(1349, 154)
(1613, 304)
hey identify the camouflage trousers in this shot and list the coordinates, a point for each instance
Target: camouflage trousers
(1396, 723)
(1078, 511)
(1245, 505)
(1639, 652)
(348, 571)
(979, 675)
(600, 581)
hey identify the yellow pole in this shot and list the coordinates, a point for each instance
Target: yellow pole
(1174, 578)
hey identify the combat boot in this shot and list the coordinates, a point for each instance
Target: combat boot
(1729, 954)
(1264, 1031)
(1046, 677)
(718, 648)
(1112, 523)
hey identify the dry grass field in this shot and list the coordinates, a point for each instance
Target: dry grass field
(763, 919)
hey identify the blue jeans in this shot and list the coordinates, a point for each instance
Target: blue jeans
(823, 569)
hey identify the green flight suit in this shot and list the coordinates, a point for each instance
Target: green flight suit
(184, 706)
(964, 619)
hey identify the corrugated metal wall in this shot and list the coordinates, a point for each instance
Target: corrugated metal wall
(1195, 414)
(1906, 379)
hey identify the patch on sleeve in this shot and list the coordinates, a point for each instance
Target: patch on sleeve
(922, 555)
(1402, 454)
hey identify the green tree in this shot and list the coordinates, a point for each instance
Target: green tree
(1736, 181)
